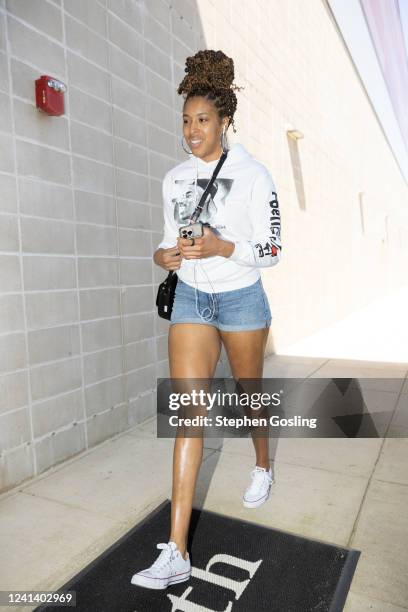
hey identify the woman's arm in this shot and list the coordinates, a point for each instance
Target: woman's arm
(264, 249)
(167, 254)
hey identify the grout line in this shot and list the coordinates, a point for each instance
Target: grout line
(30, 443)
(78, 223)
(310, 467)
(122, 288)
(371, 477)
(72, 289)
(391, 482)
(66, 151)
(77, 288)
(66, 504)
(94, 160)
(82, 322)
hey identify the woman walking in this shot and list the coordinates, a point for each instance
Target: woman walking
(219, 295)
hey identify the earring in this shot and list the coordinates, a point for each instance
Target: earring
(224, 143)
(182, 144)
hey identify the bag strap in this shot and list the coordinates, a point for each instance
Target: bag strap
(201, 203)
(203, 198)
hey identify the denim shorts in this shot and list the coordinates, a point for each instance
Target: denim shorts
(236, 310)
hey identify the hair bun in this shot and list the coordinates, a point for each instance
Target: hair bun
(211, 69)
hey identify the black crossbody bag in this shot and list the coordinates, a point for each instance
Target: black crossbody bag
(167, 289)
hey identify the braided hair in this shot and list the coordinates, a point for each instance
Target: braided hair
(210, 74)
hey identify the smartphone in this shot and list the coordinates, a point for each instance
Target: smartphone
(194, 230)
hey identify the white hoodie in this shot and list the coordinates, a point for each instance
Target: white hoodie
(243, 209)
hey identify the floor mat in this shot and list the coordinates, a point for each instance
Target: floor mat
(238, 566)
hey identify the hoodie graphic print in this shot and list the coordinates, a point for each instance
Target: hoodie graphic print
(186, 194)
(242, 207)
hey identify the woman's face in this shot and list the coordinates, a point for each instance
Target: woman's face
(201, 123)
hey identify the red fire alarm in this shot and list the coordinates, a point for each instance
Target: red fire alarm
(49, 95)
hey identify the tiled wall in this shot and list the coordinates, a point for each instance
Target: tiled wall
(80, 207)
(81, 213)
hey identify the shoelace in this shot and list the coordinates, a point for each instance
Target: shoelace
(257, 477)
(165, 557)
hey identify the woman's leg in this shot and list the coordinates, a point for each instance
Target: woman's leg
(194, 350)
(246, 350)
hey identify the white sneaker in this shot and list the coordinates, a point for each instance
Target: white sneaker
(169, 568)
(258, 491)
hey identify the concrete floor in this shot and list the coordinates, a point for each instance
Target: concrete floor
(351, 492)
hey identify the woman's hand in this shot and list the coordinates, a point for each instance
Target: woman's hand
(169, 259)
(206, 246)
